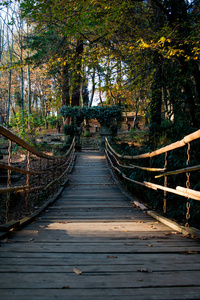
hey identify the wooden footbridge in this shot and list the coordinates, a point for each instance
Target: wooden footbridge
(92, 242)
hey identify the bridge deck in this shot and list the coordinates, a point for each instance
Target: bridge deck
(94, 229)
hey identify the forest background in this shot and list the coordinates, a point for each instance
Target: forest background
(140, 55)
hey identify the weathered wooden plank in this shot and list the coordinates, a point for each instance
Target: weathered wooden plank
(97, 258)
(153, 261)
(99, 248)
(62, 267)
(101, 294)
(174, 241)
(105, 280)
(110, 244)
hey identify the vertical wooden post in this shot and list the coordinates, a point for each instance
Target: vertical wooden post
(165, 184)
(188, 186)
(51, 174)
(8, 181)
(27, 178)
(39, 178)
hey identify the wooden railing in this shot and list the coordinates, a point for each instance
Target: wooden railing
(114, 157)
(40, 175)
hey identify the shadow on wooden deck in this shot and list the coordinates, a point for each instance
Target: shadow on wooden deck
(92, 243)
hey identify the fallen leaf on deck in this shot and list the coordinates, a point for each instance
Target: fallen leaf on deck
(189, 252)
(111, 256)
(31, 240)
(129, 244)
(167, 233)
(149, 245)
(77, 271)
(144, 270)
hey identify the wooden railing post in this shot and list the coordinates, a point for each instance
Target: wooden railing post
(27, 178)
(165, 185)
(8, 181)
(188, 186)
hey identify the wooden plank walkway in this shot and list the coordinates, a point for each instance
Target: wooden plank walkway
(93, 229)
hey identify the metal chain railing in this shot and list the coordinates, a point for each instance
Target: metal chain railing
(187, 192)
(188, 205)
(165, 185)
(38, 170)
(8, 181)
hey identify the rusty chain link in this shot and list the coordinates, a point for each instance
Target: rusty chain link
(27, 177)
(188, 186)
(165, 184)
(8, 180)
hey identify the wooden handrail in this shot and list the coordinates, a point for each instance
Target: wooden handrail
(187, 139)
(185, 170)
(14, 138)
(178, 191)
(52, 169)
(135, 166)
(185, 192)
(14, 189)
(19, 170)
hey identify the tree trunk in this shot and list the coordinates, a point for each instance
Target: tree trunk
(29, 89)
(29, 97)
(10, 49)
(9, 97)
(119, 80)
(22, 72)
(99, 75)
(156, 100)
(93, 88)
(65, 85)
(77, 75)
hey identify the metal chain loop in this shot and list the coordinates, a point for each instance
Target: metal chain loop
(8, 181)
(27, 177)
(165, 184)
(188, 205)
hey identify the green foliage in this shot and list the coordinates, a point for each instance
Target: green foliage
(17, 96)
(67, 144)
(68, 130)
(153, 46)
(106, 115)
(138, 136)
(86, 134)
(52, 121)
